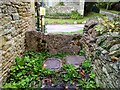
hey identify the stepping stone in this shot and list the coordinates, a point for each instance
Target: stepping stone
(52, 63)
(75, 60)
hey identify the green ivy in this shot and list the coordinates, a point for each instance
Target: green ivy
(86, 65)
(28, 71)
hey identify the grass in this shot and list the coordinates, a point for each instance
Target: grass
(76, 32)
(70, 21)
(112, 11)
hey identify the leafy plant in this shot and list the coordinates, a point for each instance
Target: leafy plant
(75, 15)
(107, 25)
(86, 65)
(71, 72)
(61, 4)
(92, 75)
(28, 71)
(81, 53)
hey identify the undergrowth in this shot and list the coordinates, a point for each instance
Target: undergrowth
(28, 72)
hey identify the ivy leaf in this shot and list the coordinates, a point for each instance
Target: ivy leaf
(92, 75)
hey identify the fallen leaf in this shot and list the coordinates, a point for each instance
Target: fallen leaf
(113, 58)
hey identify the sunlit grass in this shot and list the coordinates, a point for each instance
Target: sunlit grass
(75, 32)
(112, 11)
(70, 21)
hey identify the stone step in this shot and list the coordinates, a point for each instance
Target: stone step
(52, 63)
(76, 60)
(56, 64)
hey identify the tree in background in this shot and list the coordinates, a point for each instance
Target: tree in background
(88, 7)
(109, 4)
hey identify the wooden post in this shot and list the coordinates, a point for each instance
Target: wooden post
(42, 19)
(38, 15)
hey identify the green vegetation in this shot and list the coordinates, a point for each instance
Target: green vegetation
(108, 25)
(71, 21)
(112, 11)
(75, 15)
(70, 74)
(61, 4)
(28, 71)
(109, 5)
(82, 53)
(59, 14)
(76, 32)
(86, 65)
(88, 7)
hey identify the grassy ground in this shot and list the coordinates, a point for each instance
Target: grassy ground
(112, 11)
(76, 32)
(70, 21)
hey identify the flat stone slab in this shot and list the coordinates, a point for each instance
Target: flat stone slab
(75, 60)
(53, 63)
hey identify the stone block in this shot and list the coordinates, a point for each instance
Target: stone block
(76, 60)
(15, 16)
(8, 26)
(4, 10)
(55, 65)
(1, 42)
(12, 10)
(8, 18)
(114, 47)
(0, 10)
(8, 31)
(1, 15)
(1, 56)
(7, 45)
(1, 30)
(7, 37)
(74, 49)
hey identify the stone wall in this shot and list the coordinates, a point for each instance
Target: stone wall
(15, 20)
(61, 9)
(104, 51)
(53, 43)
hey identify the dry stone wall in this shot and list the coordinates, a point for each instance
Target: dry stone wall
(53, 43)
(104, 51)
(60, 9)
(15, 20)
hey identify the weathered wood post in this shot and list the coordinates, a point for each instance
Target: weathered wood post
(42, 13)
(38, 15)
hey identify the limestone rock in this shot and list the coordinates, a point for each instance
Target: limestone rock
(15, 16)
(115, 53)
(90, 24)
(115, 47)
(75, 60)
(101, 39)
(74, 49)
(55, 65)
